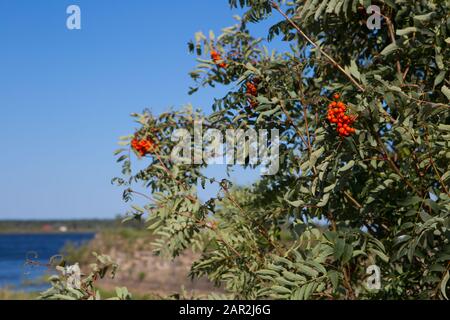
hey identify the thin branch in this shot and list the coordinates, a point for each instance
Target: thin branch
(315, 45)
(391, 31)
(441, 181)
(356, 203)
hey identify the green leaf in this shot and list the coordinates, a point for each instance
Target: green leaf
(268, 272)
(358, 253)
(445, 176)
(282, 260)
(354, 70)
(122, 158)
(118, 151)
(389, 49)
(401, 239)
(424, 17)
(299, 294)
(329, 188)
(250, 67)
(348, 166)
(263, 100)
(280, 289)
(334, 278)
(296, 203)
(331, 6)
(285, 282)
(425, 216)
(137, 208)
(439, 78)
(410, 201)
(324, 200)
(348, 253)
(380, 254)
(339, 248)
(319, 267)
(408, 30)
(293, 276)
(310, 288)
(439, 61)
(123, 143)
(445, 90)
(307, 270)
(320, 10)
(444, 127)
(315, 155)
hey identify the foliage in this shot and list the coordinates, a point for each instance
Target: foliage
(382, 192)
(71, 284)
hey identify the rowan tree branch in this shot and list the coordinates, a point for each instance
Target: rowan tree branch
(315, 45)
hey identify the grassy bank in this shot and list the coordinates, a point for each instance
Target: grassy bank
(7, 294)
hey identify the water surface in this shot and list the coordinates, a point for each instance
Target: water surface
(16, 248)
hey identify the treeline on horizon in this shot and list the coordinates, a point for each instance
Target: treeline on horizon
(72, 225)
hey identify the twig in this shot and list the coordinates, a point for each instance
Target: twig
(356, 203)
(391, 31)
(333, 62)
(427, 139)
(141, 194)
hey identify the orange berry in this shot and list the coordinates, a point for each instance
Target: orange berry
(336, 96)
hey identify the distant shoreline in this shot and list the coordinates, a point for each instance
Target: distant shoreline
(48, 226)
(37, 232)
(74, 226)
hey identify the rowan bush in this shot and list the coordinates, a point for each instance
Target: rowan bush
(364, 182)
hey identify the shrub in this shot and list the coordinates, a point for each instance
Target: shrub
(381, 190)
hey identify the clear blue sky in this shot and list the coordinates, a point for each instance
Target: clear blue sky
(66, 96)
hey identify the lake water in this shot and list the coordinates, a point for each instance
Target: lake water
(16, 248)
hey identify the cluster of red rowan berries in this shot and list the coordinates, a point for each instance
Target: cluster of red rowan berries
(143, 146)
(252, 91)
(215, 56)
(337, 113)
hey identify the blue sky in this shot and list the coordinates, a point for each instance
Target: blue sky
(66, 95)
